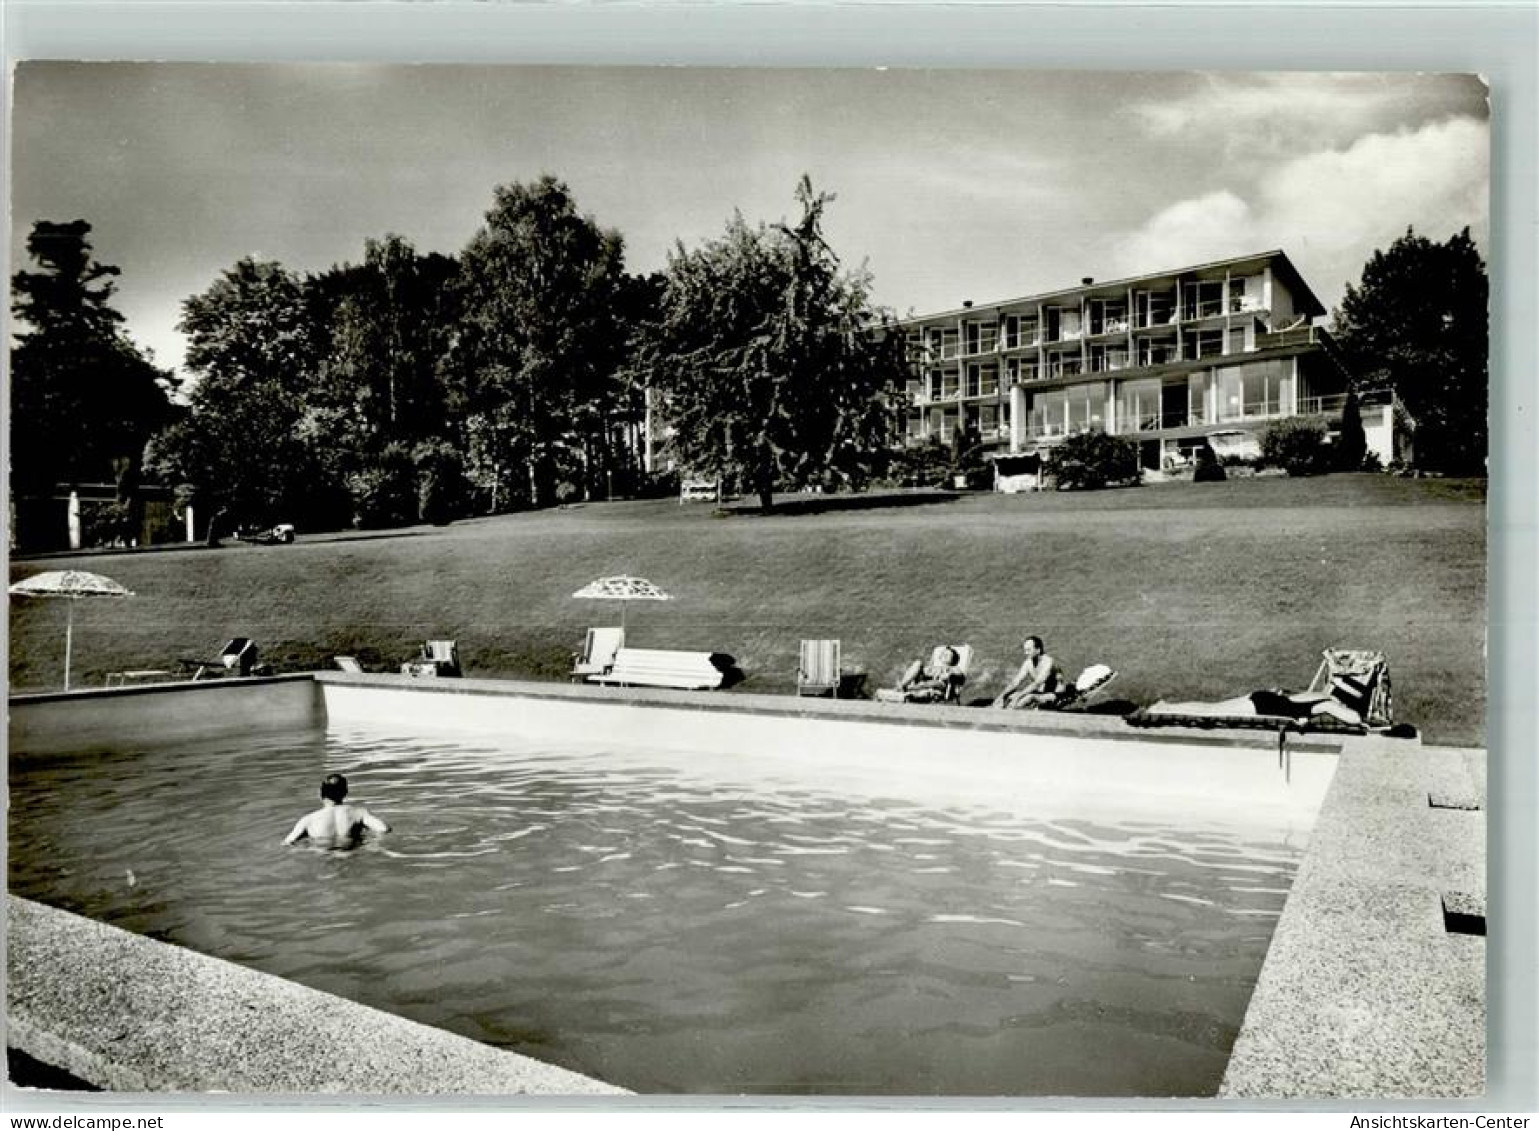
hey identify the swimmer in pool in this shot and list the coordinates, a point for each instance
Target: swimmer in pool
(335, 823)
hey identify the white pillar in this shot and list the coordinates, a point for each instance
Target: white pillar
(1017, 418)
(192, 524)
(646, 433)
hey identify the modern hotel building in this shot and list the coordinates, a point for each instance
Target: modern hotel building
(1208, 353)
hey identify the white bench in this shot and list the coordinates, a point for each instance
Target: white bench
(656, 667)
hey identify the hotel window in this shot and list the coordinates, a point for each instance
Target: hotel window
(1237, 340)
(1154, 308)
(935, 384)
(950, 382)
(1087, 406)
(1202, 299)
(1047, 413)
(988, 420)
(1262, 389)
(1206, 343)
(1196, 403)
(1138, 405)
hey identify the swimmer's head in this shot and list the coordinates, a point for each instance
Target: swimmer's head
(334, 788)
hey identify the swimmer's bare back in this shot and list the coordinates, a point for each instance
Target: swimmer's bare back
(336, 825)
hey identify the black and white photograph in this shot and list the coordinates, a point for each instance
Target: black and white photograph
(720, 581)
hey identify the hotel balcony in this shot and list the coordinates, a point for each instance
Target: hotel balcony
(983, 343)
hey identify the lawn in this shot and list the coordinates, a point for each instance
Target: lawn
(1189, 591)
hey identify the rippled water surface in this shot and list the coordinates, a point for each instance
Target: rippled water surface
(665, 924)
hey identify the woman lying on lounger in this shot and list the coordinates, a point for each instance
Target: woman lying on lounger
(1300, 706)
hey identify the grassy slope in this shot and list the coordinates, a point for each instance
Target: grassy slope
(1190, 591)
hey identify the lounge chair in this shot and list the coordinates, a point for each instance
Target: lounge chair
(1091, 680)
(348, 664)
(598, 652)
(818, 673)
(952, 693)
(1357, 680)
(238, 656)
(660, 667)
(438, 658)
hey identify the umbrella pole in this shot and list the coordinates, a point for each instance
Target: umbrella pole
(69, 638)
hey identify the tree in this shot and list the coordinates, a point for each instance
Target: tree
(247, 446)
(774, 366)
(539, 349)
(1352, 443)
(1418, 323)
(84, 399)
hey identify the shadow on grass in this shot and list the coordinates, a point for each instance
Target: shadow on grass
(826, 504)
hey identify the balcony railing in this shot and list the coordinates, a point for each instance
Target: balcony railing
(1111, 326)
(986, 342)
(987, 387)
(1207, 308)
(1245, 304)
(1023, 341)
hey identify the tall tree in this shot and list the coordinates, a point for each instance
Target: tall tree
(775, 367)
(539, 347)
(84, 398)
(247, 447)
(1418, 322)
(387, 323)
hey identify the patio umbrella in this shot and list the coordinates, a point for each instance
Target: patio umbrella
(73, 584)
(622, 589)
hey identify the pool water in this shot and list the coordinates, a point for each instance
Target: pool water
(672, 923)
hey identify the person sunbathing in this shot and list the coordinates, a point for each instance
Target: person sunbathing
(1300, 706)
(931, 682)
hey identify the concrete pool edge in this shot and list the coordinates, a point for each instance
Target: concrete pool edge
(1372, 986)
(128, 1013)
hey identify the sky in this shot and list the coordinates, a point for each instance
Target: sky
(950, 185)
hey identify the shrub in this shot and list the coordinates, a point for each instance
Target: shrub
(384, 494)
(1371, 462)
(1092, 460)
(1296, 444)
(1208, 469)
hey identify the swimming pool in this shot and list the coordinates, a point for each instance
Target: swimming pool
(824, 921)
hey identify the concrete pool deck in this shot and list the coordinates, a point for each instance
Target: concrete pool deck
(130, 1014)
(1374, 985)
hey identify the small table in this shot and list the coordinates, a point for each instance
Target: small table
(122, 679)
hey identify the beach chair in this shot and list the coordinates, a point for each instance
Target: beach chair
(438, 658)
(1089, 681)
(238, 656)
(953, 691)
(818, 673)
(348, 664)
(598, 652)
(1359, 679)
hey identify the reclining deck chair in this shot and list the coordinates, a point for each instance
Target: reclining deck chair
(598, 652)
(438, 658)
(348, 664)
(1091, 680)
(953, 690)
(1359, 679)
(818, 673)
(1355, 678)
(238, 656)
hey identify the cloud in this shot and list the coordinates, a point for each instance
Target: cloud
(1332, 208)
(1250, 118)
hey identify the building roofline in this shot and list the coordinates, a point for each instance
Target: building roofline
(1304, 298)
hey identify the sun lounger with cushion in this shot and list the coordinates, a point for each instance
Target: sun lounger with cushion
(1356, 679)
(238, 656)
(656, 667)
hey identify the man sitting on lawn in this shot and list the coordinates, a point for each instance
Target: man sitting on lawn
(1038, 683)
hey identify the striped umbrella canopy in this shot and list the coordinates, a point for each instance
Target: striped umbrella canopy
(73, 584)
(622, 589)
